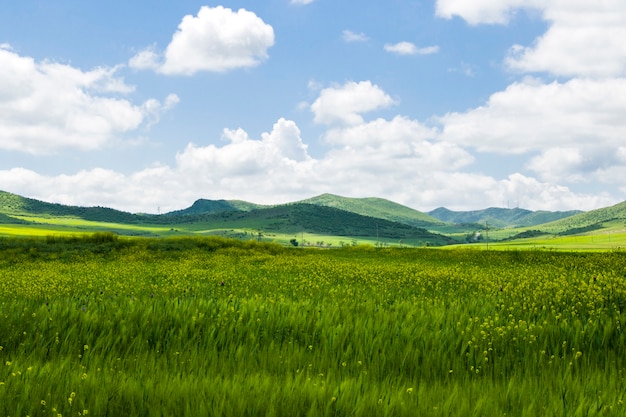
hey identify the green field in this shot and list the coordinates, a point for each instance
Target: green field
(107, 326)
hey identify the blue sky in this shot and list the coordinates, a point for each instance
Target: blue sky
(148, 106)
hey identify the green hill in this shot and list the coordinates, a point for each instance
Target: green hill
(500, 217)
(203, 206)
(298, 217)
(376, 207)
(15, 204)
(587, 220)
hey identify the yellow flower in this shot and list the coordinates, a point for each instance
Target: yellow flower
(409, 390)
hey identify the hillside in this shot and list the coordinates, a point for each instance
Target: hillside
(203, 206)
(587, 220)
(500, 217)
(15, 204)
(376, 207)
(299, 217)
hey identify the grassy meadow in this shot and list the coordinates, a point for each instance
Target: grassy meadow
(105, 326)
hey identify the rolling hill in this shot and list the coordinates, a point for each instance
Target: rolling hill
(204, 206)
(587, 220)
(295, 218)
(206, 215)
(18, 205)
(325, 215)
(500, 217)
(376, 207)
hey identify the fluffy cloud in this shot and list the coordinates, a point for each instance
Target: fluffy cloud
(345, 104)
(574, 128)
(217, 39)
(584, 38)
(46, 105)
(484, 11)
(530, 116)
(577, 165)
(408, 48)
(245, 157)
(399, 158)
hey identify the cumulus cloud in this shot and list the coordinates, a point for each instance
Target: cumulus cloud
(583, 39)
(583, 164)
(531, 115)
(344, 104)
(45, 106)
(218, 39)
(349, 36)
(399, 159)
(408, 48)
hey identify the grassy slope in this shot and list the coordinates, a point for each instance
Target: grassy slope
(14, 205)
(320, 220)
(230, 218)
(376, 207)
(587, 219)
(501, 217)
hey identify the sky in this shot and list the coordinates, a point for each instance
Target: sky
(147, 106)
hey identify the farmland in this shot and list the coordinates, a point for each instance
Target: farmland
(101, 325)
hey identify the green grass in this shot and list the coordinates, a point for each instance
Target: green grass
(212, 326)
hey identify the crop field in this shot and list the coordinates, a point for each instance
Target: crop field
(105, 326)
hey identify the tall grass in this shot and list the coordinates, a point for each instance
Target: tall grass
(214, 327)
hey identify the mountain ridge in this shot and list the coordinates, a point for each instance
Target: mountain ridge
(15, 209)
(501, 217)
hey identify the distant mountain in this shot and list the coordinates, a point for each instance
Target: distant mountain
(501, 217)
(375, 207)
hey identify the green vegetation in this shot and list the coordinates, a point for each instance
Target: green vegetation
(590, 218)
(379, 208)
(104, 325)
(328, 221)
(501, 217)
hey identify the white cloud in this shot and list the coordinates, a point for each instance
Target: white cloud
(349, 36)
(345, 104)
(583, 164)
(45, 106)
(485, 11)
(398, 159)
(245, 157)
(146, 59)
(302, 1)
(408, 48)
(531, 116)
(217, 39)
(584, 37)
